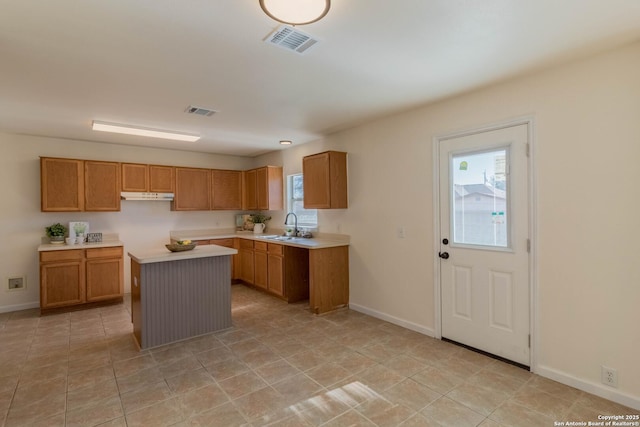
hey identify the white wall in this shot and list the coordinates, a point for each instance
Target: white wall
(587, 151)
(140, 223)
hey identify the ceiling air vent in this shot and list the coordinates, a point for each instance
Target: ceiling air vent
(199, 111)
(291, 39)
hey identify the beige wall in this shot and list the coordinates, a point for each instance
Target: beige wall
(587, 150)
(587, 146)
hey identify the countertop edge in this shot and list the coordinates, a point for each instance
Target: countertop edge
(45, 247)
(164, 255)
(313, 243)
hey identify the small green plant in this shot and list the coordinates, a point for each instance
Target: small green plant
(56, 230)
(259, 218)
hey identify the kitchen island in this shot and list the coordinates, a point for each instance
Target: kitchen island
(179, 295)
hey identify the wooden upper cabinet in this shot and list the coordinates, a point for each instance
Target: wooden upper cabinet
(147, 178)
(192, 189)
(227, 189)
(135, 177)
(325, 180)
(162, 179)
(249, 195)
(62, 185)
(101, 186)
(269, 182)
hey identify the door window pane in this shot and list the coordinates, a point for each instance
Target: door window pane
(479, 198)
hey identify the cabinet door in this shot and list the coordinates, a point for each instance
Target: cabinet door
(135, 177)
(269, 191)
(315, 170)
(249, 196)
(193, 189)
(261, 272)
(262, 189)
(105, 273)
(325, 180)
(161, 179)
(62, 284)
(227, 189)
(61, 185)
(101, 186)
(246, 265)
(276, 274)
(104, 278)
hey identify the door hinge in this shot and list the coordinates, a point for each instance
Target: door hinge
(529, 245)
(527, 145)
(529, 340)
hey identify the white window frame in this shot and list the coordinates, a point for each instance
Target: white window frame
(290, 205)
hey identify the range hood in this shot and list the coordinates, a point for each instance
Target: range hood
(129, 195)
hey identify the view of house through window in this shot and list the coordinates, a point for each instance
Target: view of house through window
(306, 217)
(480, 214)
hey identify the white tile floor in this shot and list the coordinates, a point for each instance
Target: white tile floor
(278, 365)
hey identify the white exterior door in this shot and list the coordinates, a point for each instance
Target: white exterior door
(484, 223)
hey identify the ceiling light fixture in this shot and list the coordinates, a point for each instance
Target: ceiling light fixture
(140, 131)
(285, 142)
(296, 12)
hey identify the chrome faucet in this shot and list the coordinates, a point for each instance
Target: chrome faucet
(295, 226)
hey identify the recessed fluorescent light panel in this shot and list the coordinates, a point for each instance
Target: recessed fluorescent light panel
(140, 131)
(285, 142)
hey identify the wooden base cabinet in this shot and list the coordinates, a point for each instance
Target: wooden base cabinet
(62, 278)
(246, 261)
(328, 279)
(76, 277)
(105, 272)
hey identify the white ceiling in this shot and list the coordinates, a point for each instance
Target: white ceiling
(64, 63)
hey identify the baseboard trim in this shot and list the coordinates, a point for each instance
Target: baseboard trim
(18, 307)
(392, 319)
(600, 390)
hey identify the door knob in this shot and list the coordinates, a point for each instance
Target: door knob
(443, 255)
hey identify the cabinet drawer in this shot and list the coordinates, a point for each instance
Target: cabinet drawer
(227, 243)
(260, 246)
(63, 255)
(275, 249)
(104, 252)
(246, 244)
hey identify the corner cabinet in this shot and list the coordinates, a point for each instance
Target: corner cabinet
(72, 278)
(263, 188)
(325, 180)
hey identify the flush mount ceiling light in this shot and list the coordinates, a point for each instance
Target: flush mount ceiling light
(285, 142)
(296, 12)
(140, 131)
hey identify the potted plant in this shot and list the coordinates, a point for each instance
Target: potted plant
(56, 233)
(259, 222)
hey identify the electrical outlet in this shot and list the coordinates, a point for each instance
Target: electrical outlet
(609, 376)
(15, 283)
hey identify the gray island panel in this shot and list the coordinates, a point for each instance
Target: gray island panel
(178, 299)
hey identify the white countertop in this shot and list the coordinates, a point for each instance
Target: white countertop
(162, 254)
(64, 247)
(319, 242)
